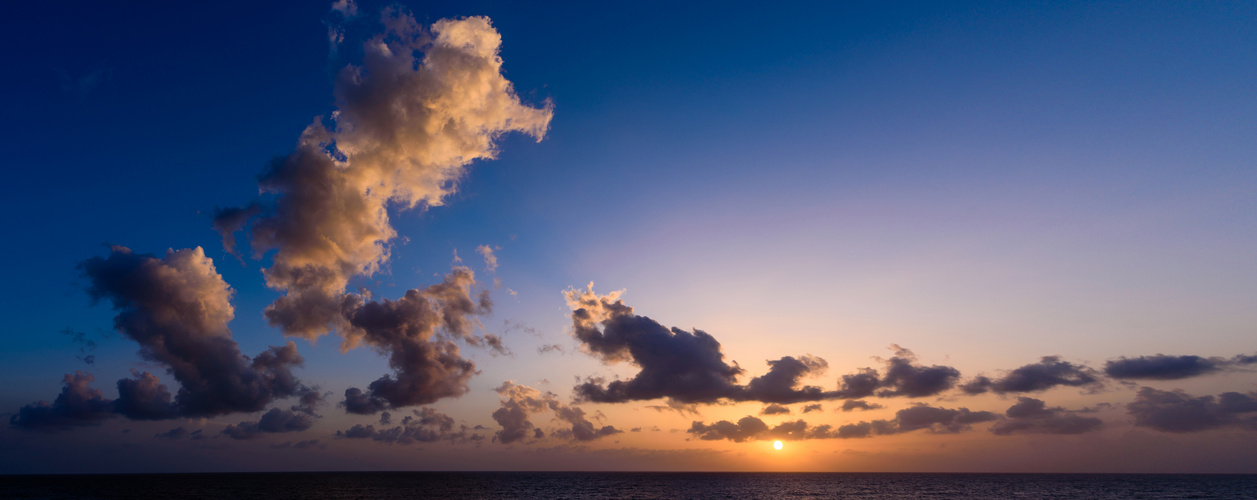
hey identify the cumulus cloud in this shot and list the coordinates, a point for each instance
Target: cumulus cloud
(423, 105)
(177, 309)
(812, 408)
(1163, 367)
(1032, 416)
(418, 332)
(904, 378)
(78, 405)
(775, 409)
(1177, 411)
(519, 402)
(932, 419)
(425, 425)
(684, 366)
(274, 421)
(753, 429)
(1049, 372)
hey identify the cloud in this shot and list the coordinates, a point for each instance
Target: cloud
(519, 402)
(425, 425)
(1163, 367)
(273, 421)
(774, 409)
(177, 309)
(179, 433)
(753, 429)
(812, 408)
(423, 105)
(688, 366)
(547, 348)
(1179, 412)
(1032, 416)
(903, 378)
(490, 260)
(78, 405)
(917, 417)
(855, 404)
(1049, 372)
(685, 366)
(418, 333)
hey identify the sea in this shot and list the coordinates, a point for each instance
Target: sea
(597, 485)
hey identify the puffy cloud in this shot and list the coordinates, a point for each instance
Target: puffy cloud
(1163, 367)
(812, 408)
(917, 417)
(519, 402)
(77, 405)
(1049, 372)
(423, 105)
(753, 429)
(775, 409)
(688, 366)
(856, 404)
(746, 429)
(426, 425)
(779, 384)
(1032, 416)
(177, 309)
(418, 332)
(1177, 411)
(274, 421)
(903, 378)
(685, 366)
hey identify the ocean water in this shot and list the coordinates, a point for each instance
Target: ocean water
(367, 485)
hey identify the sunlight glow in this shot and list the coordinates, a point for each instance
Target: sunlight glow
(777, 445)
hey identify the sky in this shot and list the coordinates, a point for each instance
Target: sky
(894, 236)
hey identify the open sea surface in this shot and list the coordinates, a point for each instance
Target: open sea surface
(673, 485)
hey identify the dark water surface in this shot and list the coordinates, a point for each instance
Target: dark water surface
(353, 485)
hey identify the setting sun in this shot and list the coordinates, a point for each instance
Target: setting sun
(777, 445)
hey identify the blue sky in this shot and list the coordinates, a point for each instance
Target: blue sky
(984, 183)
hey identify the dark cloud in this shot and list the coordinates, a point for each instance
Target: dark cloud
(684, 366)
(753, 429)
(547, 348)
(78, 405)
(677, 406)
(1032, 416)
(519, 402)
(1177, 411)
(919, 417)
(425, 425)
(688, 366)
(418, 333)
(177, 309)
(274, 421)
(1163, 367)
(1049, 372)
(903, 378)
(812, 408)
(855, 404)
(179, 433)
(775, 409)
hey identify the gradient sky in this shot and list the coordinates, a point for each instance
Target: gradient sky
(981, 183)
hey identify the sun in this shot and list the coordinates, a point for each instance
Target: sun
(777, 445)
